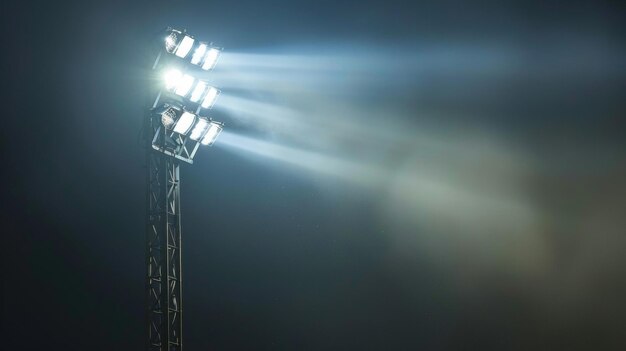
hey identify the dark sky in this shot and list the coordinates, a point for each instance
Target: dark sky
(395, 175)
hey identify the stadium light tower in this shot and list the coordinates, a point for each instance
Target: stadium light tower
(176, 127)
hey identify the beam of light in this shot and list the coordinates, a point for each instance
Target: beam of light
(457, 59)
(333, 69)
(334, 126)
(261, 115)
(415, 183)
(418, 130)
(304, 159)
(465, 73)
(451, 203)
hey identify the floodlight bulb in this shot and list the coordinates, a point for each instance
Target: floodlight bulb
(210, 59)
(170, 42)
(168, 117)
(210, 97)
(199, 129)
(184, 85)
(172, 78)
(198, 54)
(184, 123)
(211, 134)
(184, 47)
(198, 91)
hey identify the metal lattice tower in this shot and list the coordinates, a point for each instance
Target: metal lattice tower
(166, 147)
(163, 252)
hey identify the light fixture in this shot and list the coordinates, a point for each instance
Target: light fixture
(171, 41)
(198, 54)
(184, 47)
(214, 130)
(186, 95)
(178, 43)
(184, 123)
(210, 59)
(184, 85)
(199, 129)
(172, 78)
(198, 91)
(210, 97)
(169, 116)
(181, 44)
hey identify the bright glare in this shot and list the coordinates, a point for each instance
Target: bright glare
(184, 47)
(184, 85)
(199, 129)
(210, 97)
(212, 134)
(198, 54)
(184, 123)
(198, 91)
(210, 59)
(172, 78)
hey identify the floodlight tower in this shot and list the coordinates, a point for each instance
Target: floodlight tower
(175, 130)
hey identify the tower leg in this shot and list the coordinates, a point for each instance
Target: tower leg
(163, 254)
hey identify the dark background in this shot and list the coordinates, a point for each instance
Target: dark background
(277, 259)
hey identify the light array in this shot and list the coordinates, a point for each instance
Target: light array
(183, 128)
(185, 123)
(186, 86)
(186, 47)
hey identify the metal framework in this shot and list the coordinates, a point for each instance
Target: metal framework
(165, 150)
(163, 250)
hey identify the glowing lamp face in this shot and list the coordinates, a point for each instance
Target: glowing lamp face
(184, 123)
(199, 129)
(211, 134)
(172, 78)
(210, 97)
(184, 85)
(210, 59)
(184, 47)
(198, 91)
(198, 54)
